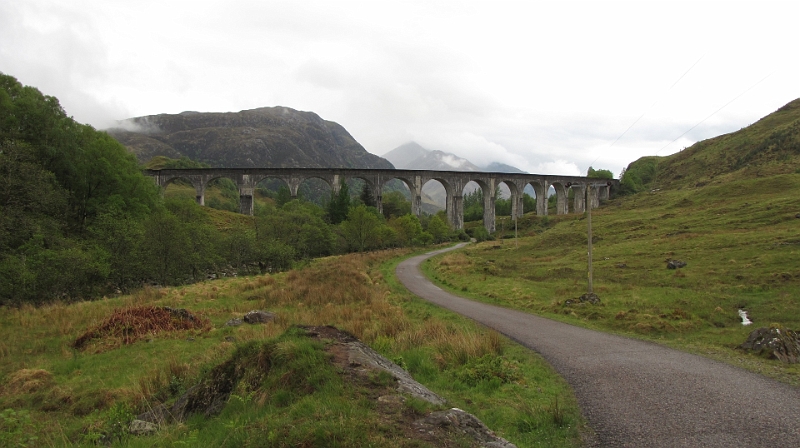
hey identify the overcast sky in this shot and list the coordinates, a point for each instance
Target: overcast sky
(550, 87)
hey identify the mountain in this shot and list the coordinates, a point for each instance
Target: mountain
(497, 167)
(404, 155)
(264, 137)
(412, 156)
(768, 147)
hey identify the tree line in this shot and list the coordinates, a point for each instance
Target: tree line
(78, 219)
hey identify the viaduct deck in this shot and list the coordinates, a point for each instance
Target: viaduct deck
(246, 179)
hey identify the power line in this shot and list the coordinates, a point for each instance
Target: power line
(652, 105)
(714, 113)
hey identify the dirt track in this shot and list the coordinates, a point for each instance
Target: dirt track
(639, 394)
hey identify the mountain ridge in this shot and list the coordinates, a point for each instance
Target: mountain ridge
(278, 137)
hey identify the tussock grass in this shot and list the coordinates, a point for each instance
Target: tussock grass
(741, 241)
(74, 397)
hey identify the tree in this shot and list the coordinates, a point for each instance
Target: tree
(599, 174)
(165, 246)
(408, 228)
(339, 205)
(473, 205)
(57, 179)
(394, 204)
(367, 196)
(528, 203)
(438, 229)
(299, 225)
(360, 228)
(283, 196)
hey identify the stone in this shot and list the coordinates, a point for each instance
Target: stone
(235, 322)
(142, 428)
(675, 264)
(590, 297)
(775, 342)
(258, 317)
(465, 423)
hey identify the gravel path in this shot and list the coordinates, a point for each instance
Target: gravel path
(640, 394)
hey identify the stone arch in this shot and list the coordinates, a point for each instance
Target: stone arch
(540, 190)
(436, 187)
(370, 181)
(273, 181)
(193, 180)
(409, 184)
(562, 195)
(245, 200)
(579, 197)
(487, 186)
(312, 182)
(515, 196)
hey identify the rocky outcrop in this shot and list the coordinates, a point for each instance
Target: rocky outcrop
(465, 423)
(775, 342)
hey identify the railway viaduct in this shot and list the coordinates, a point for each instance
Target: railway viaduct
(453, 182)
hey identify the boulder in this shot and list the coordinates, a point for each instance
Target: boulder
(775, 342)
(463, 422)
(142, 428)
(235, 322)
(258, 317)
(590, 297)
(675, 264)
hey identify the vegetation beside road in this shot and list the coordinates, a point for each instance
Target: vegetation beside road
(740, 240)
(64, 396)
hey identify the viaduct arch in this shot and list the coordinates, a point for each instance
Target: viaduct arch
(454, 182)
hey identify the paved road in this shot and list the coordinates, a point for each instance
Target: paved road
(640, 394)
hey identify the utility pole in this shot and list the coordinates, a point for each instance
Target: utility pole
(589, 220)
(516, 243)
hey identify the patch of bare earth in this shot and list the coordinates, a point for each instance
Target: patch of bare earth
(128, 325)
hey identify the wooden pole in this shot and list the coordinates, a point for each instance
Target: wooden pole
(589, 220)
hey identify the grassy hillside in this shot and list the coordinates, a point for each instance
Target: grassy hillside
(740, 240)
(284, 389)
(768, 147)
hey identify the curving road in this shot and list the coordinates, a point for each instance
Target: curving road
(635, 393)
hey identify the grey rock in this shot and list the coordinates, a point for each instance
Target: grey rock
(780, 343)
(258, 317)
(590, 297)
(465, 423)
(235, 322)
(675, 264)
(360, 354)
(142, 428)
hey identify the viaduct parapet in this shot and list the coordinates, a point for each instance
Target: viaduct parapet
(453, 182)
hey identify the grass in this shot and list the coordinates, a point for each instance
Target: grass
(68, 397)
(741, 241)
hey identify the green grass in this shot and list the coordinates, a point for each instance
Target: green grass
(741, 241)
(65, 397)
